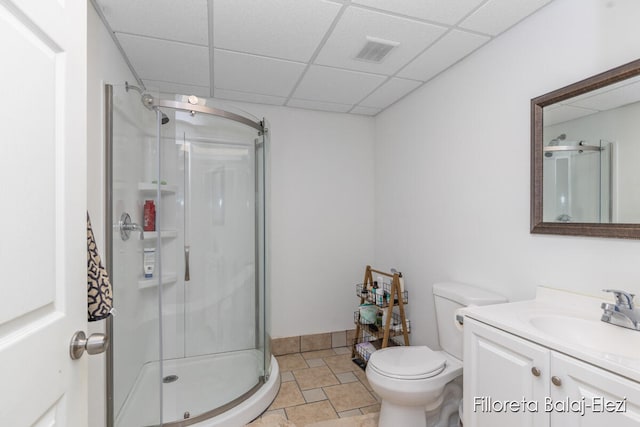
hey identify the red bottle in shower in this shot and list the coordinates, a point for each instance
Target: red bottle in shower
(149, 216)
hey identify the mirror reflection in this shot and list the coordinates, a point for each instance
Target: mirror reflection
(591, 146)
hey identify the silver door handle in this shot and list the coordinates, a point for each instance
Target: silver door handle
(187, 276)
(95, 344)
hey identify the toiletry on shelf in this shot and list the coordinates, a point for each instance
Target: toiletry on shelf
(401, 282)
(149, 216)
(379, 296)
(368, 313)
(365, 349)
(149, 262)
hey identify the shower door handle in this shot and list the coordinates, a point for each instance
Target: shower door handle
(95, 344)
(186, 264)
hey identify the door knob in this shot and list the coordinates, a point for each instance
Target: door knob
(535, 371)
(95, 344)
(556, 381)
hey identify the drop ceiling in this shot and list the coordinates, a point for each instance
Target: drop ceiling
(302, 53)
(607, 98)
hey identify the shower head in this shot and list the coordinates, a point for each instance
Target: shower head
(165, 119)
(555, 141)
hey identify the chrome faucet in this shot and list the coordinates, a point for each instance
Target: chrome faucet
(623, 313)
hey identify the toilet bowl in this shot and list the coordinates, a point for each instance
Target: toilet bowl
(415, 381)
(410, 381)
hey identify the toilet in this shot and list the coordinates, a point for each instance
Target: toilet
(420, 387)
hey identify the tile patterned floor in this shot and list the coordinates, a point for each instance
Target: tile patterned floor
(322, 385)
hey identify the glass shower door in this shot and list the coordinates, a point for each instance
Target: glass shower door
(214, 317)
(220, 297)
(136, 323)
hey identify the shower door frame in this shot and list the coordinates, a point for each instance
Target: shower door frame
(193, 107)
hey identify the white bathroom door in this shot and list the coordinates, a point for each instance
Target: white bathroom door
(43, 211)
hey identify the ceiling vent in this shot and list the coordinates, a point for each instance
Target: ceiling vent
(375, 50)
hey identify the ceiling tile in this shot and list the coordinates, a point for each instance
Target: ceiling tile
(287, 29)
(170, 87)
(317, 105)
(367, 111)
(447, 12)
(249, 97)
(444, 53)
(562, 113)
(356, 24)
(167, 61)
(334, 85)
(251, 73)
(390, 92)
(184, 21)
(495, 16)
(608, 99)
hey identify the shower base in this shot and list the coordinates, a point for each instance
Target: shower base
(203, 384)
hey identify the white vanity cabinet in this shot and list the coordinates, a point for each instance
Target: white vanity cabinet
(510, 381)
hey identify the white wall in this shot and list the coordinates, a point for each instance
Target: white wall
(321, 218)
(452, 165)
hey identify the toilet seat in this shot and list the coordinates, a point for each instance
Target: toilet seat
(407, 363)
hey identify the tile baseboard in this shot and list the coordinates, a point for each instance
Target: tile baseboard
(312, 342)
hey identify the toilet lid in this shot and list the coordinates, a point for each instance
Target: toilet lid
(416, 362)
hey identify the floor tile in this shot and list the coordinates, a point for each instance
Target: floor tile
(351, 413)
(271, 420)
(286, 376)
(274, 413)
(318, 354)
(322, 388)
(341, 363)
(311, 412)
(315, 377)
(314, 363)
(342, 350)
(349, 396)
(346, 377)
(314, 395)
(371, 409)
(362, 377)
(369, 420)
(289, 395)
(290, 362)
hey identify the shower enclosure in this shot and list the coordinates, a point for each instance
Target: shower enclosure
(186, 196)
(577, 181)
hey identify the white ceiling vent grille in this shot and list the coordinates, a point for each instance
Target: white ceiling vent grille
(375, 50)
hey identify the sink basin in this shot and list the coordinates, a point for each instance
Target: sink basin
(594, 335)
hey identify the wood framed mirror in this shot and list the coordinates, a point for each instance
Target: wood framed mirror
(585, 157)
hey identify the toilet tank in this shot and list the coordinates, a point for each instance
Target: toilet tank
(449, 297)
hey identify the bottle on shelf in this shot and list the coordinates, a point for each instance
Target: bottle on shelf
(149, 216)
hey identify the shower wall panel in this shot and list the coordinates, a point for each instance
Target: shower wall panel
(135, 324)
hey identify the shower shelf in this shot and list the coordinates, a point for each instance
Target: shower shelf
(153, 282)
(165, 234)
(148, 187)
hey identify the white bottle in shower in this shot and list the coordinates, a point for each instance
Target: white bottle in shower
(149, 262)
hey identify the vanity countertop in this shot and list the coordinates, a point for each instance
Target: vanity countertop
(568, 323)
